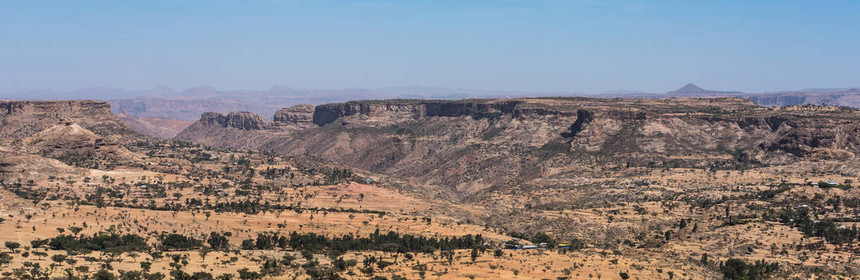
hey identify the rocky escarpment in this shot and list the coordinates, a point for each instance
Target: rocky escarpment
(298, 116)
(463, 147)
(238, 120)
(779, 100)
(20, 119)
(835, 138)
(400, 110)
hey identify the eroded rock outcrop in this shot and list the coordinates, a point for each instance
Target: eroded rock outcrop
(238, 120)
(298, 116)
(391, 111)
(69, 141)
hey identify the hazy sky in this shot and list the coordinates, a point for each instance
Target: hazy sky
(575, 46)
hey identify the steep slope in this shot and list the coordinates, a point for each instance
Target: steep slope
(23, 165)
(458, 148)
(69, 142)
(80, 133)
(298, 116)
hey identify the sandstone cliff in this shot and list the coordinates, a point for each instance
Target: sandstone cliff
(298, 116)
(239, 120)
(386, 112)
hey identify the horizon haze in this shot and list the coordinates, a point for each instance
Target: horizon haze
(536, 46)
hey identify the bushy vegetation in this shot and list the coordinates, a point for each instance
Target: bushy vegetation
(390, 242)
(737, 269)
(105, 242)
(826, 228)
(175, 241)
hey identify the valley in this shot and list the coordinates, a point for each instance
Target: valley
(524, 188)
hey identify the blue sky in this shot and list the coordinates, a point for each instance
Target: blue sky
(571, 46)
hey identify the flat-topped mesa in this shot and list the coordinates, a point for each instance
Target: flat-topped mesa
(76, 107)
(239, 120)
(298, 116)
(387, 111)
(24, 118)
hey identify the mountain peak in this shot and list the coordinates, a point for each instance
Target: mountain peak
(690, 88)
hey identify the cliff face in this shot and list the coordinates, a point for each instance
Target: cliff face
(463, 147)
(840, 97)
(238, 120)
(299, 116)
(402, 110)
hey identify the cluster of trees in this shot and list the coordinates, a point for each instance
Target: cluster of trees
(256, 206)
(390, 242)
(112, 242)
(273, 173)
(106, 242)
(28, 193)
(542, 237)
(219, 241)
(737, 269)
(337, 175)
(265, 241)
(826, 228)
(827, 185)
(174, 241)
(250, 207)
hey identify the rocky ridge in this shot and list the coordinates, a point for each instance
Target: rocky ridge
(466, 146)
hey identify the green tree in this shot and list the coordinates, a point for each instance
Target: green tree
(12, 245)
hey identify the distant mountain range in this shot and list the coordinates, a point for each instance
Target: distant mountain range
(189, 104)
(836, 96)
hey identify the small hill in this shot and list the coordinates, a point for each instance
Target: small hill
(692, 90)
(69, 142)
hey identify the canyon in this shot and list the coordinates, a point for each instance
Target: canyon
(463, 147)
